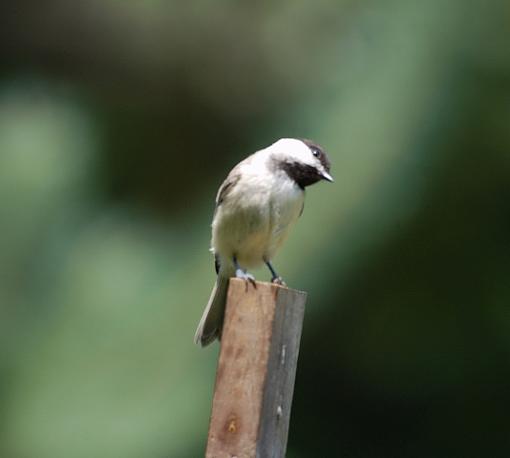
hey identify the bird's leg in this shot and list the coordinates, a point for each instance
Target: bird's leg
(241, 273)
(275, 277)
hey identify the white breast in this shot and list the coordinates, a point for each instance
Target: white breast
(286, 206)
(255, 218)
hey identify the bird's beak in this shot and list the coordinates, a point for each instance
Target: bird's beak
(326, 176)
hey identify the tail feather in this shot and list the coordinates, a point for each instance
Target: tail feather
(211, 323)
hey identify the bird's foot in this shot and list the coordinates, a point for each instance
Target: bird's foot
(249, 278)
(278, 281)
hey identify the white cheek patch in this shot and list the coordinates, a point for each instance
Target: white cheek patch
(294, 149)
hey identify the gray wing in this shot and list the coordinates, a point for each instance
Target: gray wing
(227, 186)
(232, 179)
(223, 192)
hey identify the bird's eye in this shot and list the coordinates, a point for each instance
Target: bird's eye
(316, 152)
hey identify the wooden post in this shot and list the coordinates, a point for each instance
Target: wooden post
(256, 371)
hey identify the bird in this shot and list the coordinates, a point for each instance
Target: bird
(257, 204)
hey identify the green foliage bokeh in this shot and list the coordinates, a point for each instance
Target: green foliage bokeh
(119, 120)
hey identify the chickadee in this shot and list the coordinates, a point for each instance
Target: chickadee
(256, 205)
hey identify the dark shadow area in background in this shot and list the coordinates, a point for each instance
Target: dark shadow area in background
(420, 369)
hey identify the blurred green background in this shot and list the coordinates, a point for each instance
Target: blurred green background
(118, 122)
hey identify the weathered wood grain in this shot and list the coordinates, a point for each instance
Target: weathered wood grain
(256, 371)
